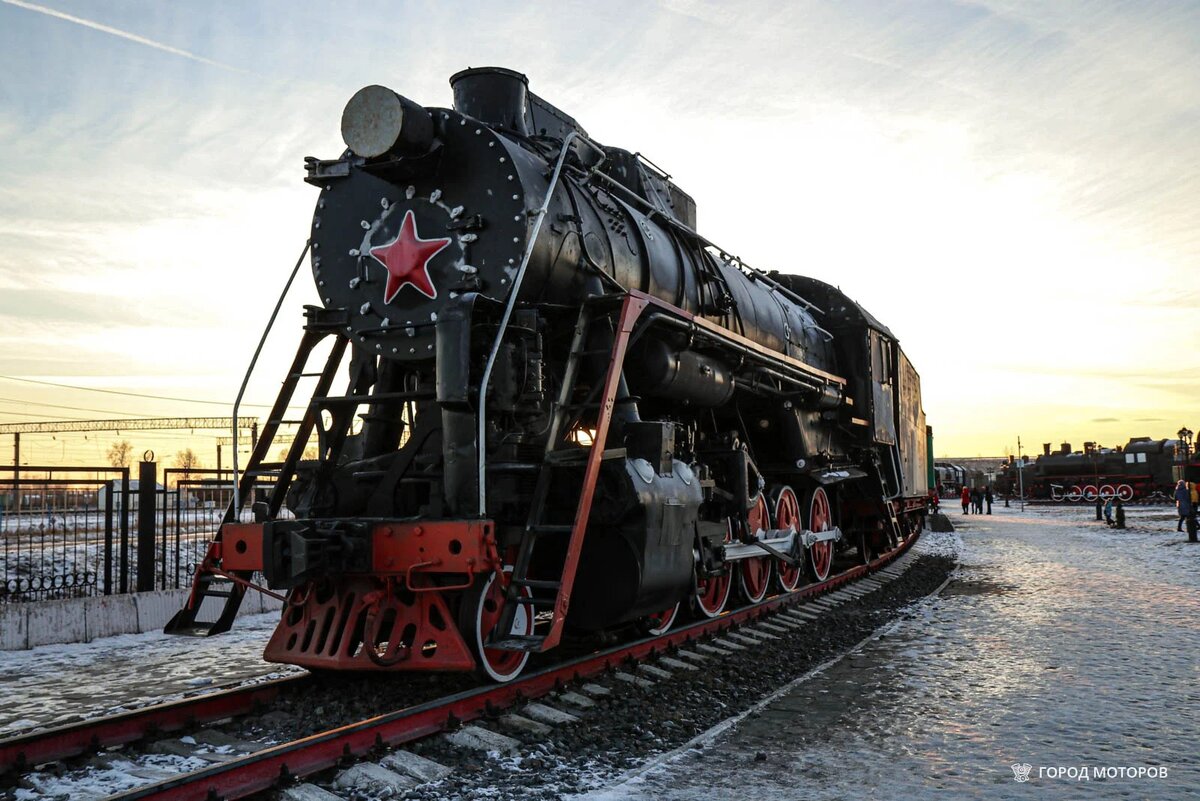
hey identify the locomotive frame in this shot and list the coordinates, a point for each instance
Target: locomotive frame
(626, 423)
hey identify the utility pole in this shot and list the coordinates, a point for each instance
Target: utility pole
(17, 476)
(242, 441)
(1020, 473)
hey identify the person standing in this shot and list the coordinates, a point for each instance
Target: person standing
(1183, 503)
(1108, 510)
(966, 499)
(987, 496)
(1194, 497)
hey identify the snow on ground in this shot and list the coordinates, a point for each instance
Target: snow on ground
(56, 684)
(1063, 642)
(119, 775)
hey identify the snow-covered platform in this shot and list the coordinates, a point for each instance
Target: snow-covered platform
(1062, 645)
(60, 683)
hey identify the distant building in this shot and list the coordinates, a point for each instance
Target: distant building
(134, 484)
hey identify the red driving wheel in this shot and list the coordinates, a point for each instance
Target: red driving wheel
(787, 515)
(754, 574)
(478, 616)
(712, 593)
(659, 623)
(820, 518)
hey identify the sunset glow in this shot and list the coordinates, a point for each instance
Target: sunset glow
(1012, 188)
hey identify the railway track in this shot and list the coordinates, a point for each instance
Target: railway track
(236, 768)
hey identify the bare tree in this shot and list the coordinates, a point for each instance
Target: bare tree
(119, 453)
(187, 461)
(311, 453)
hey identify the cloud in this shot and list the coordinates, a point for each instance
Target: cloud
(993, 173)
(132, 37)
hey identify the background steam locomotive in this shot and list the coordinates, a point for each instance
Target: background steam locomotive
(1143, 468)
(577, 414)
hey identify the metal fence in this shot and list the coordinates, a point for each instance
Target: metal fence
(63, 532)
(190, 506)
(78, 532)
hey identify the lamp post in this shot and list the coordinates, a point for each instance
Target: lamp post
(1185, 447)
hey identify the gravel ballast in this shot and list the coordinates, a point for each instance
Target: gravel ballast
(636, 721)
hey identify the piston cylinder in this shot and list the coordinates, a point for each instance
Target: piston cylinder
(657, 369)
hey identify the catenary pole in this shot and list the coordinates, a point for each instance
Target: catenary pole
(1021, 473)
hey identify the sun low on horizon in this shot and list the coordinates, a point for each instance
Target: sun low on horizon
(1012, 188)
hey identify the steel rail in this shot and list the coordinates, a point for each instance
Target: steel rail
(73, 739)
(261, 770)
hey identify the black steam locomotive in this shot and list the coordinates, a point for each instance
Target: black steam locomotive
(1144, 468)
(567, 412)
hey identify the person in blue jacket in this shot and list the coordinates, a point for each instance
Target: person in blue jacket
(1183, 503)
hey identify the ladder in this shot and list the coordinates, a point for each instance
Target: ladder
(210, 581)
(889, 510)
(556, 458)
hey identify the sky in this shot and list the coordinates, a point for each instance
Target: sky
(1013, 188)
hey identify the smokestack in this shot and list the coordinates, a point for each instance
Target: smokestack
(492, 95)
(1045, 449)
(1066, 448)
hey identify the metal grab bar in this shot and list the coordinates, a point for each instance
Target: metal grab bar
(481, 429)
(237, 501)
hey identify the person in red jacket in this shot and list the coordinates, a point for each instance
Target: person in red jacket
(966, 499)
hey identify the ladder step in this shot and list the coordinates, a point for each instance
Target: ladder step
(579, 455)
(536, 584)
(305, 375)
(550, 529)
(332, 400)
(218, 594)
(567, 456)
(284, 422)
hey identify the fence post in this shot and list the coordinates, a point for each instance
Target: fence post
(162, 584)
(124, 569)
(147, 495)
(17, 479)
(178, 523)
(110, 487)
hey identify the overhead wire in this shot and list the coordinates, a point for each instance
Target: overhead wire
(80, 408)
(126, 394)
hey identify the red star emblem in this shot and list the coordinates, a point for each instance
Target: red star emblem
(406, 259)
